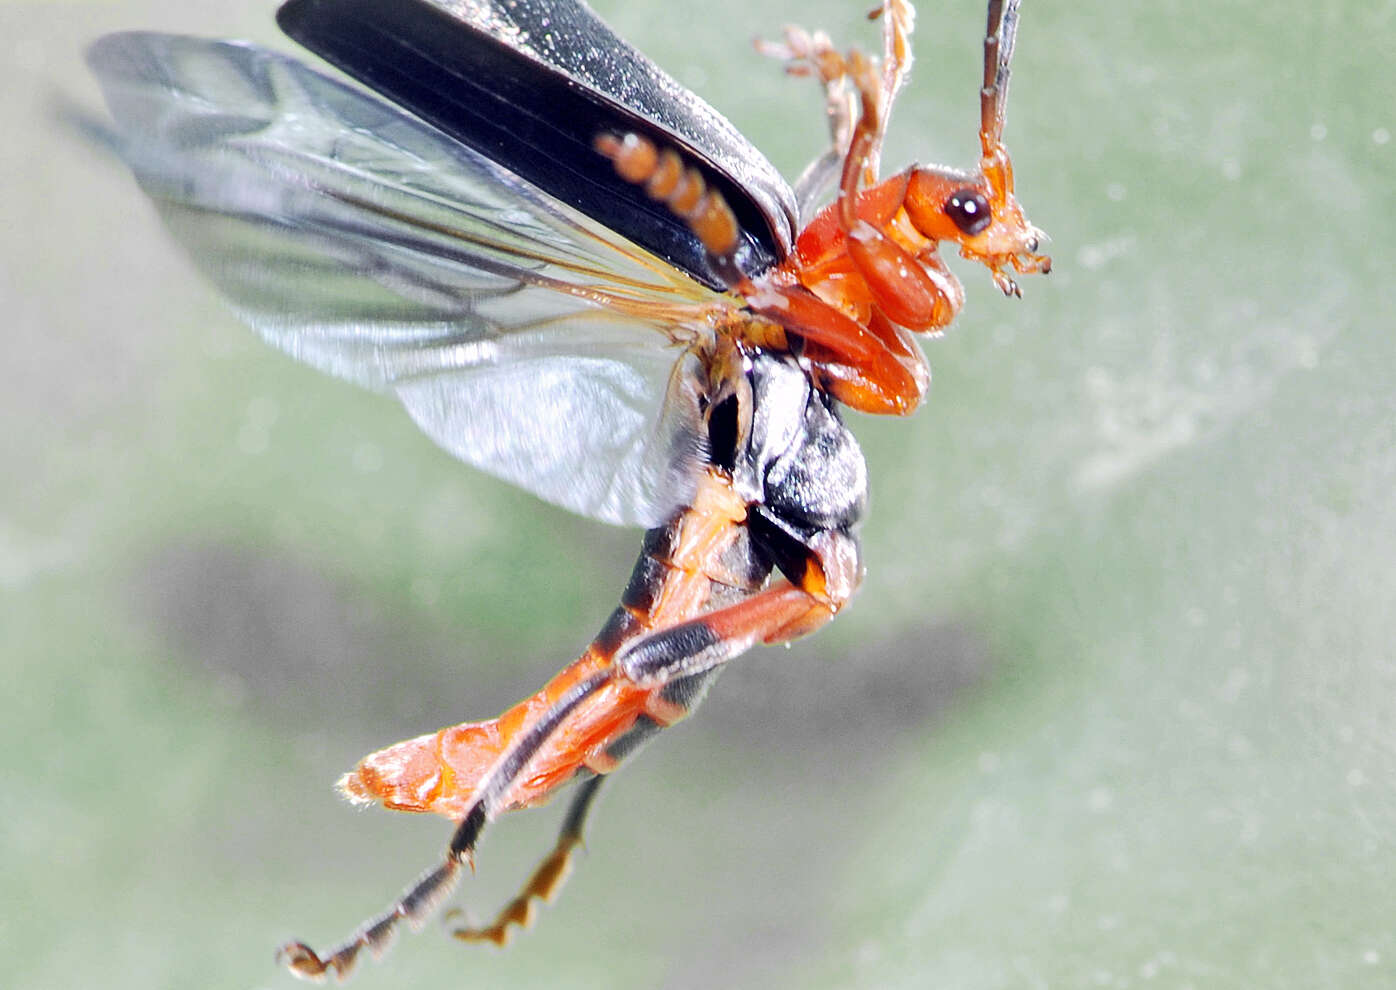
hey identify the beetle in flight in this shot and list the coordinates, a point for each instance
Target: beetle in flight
(576, 275)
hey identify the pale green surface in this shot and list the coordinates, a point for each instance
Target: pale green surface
(1116, 706)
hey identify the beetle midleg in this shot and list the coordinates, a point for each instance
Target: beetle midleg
(546, 880)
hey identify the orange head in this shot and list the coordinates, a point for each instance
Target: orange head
(979, 212)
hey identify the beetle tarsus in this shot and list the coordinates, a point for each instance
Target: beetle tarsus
(544, 883)
(378, 935)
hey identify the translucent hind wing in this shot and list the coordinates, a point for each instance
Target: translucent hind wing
(520, 335)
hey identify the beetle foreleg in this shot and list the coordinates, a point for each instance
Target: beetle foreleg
(806, 54)
(848, 81)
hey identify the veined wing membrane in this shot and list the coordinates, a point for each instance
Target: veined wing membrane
(521, 336)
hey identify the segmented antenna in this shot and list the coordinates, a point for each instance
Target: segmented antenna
(668, 180)
(998, 54)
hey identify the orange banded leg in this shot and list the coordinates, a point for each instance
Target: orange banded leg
(846, 80)
(781, 612)
(907, 295)
(806, 54)
(650, 663)
(419, 901)
(547, 879)
(864, 370)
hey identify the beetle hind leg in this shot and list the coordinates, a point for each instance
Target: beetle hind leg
(546, 880)
(424, 896)
(378, 935)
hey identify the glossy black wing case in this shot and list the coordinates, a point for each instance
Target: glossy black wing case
(531, 84)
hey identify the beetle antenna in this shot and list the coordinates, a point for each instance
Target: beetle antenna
(998, 54)
(679, 186)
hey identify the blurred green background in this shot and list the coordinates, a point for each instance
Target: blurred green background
(1116, 705)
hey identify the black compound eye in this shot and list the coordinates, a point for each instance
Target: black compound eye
(969, 210)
